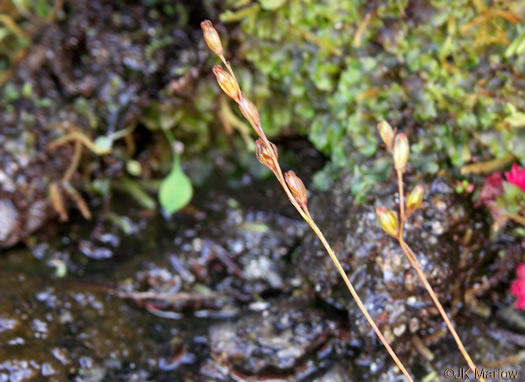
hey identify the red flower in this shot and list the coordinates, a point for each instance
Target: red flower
(516, 176)
(518, 287)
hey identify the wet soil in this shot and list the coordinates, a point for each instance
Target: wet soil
(229, 290)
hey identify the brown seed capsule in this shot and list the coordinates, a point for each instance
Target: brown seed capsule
(388, 221)
(387, 133)
(415, 198)
(401, 152)
(212, 37)
(297, 188)
(264, 155)
(227, 83)
(249, 111)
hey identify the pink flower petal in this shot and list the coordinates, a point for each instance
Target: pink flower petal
(520, 304)
(520, 272)
(517, 288)
(516, 176)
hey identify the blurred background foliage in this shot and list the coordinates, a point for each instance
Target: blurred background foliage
(450, 73)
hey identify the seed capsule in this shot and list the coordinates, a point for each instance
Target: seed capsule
(388, 221)
(415, 198)
(297, 188)
(249, 111)
(212, 37)
(264, 155)
(387, 133)
(227, 83)
(401, 152)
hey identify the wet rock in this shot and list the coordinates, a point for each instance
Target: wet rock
(441, 234)
(277, 342)
(22, 212)
(67, 326)
(335, 374)
(8, 216)
(238, 252)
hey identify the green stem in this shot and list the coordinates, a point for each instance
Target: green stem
(171, 142)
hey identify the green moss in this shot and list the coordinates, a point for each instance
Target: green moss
(444, 71)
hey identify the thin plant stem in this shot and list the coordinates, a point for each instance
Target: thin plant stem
(302, 209)
(401, 203)
(417, 266)
(410, 254)
(306, 216)
(357, 299)
(499, 222)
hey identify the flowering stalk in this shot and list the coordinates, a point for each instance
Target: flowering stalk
(292, 185)
(400, 152)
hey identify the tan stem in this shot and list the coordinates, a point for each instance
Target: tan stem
(357, 299)
(499, 222)
(74, 163)
(411, 256)
(401, 203)
(415, 264)
(306, 216)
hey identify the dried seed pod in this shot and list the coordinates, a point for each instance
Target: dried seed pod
(249, 111)
(387, 133)
(388, 221)
(415, 198)
(401, 152)
(227, 83)
(264, 155)
(296, 186)
(212, 38)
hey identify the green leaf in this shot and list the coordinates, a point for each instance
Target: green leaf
(176, 189)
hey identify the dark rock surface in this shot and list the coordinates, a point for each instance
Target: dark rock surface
(446, 234)
(215, 294)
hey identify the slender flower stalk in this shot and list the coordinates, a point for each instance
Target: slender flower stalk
(292, 185)
(400, 152)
